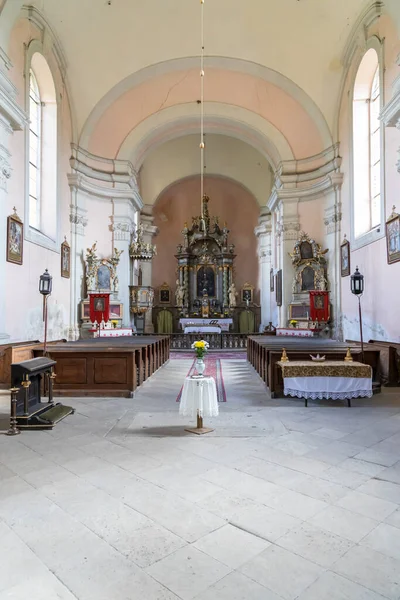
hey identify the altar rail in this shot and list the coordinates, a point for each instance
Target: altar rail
(217, 341)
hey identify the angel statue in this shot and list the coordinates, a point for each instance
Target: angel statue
(232, 295)
(179, 293)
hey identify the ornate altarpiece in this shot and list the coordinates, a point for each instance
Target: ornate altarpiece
(310, 266)
(205, 265)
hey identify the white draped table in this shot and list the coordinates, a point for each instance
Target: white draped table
(293, 332)
(223, 324)
(199, 399)
(114, 332)
(330, 380)
(202, 329)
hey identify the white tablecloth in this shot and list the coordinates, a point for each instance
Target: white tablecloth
(329, 388)
(189, 322)
(199, 395)
(292, 332)
(205, 329)
(114, 332)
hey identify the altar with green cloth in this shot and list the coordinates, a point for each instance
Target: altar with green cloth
(330, 380)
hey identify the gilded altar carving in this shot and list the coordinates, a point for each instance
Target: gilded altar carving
(101, 273)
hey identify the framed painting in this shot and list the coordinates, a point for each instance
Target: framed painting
(164, 294)
(65, 259)
(247, 293)
(393, 237)
(278, 287)
(271, 281)
(345, 257)
(15, 239)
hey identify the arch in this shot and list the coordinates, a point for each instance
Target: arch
(178, 73)
(225, 119)
(41, 205)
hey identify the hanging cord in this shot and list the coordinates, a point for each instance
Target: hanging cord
(202, 145)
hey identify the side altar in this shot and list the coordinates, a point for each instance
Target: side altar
(205, 267)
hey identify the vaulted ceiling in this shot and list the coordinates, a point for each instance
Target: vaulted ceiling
(105, 41)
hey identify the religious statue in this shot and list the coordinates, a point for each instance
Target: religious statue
(232, 295)
(179, 294)
(91, 267)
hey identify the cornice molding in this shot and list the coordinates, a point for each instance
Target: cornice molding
(322, 187)
(12, 114)
(92, 187)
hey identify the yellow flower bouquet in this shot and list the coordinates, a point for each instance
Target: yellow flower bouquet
(200, 347)
(114, 323)
(293, 323)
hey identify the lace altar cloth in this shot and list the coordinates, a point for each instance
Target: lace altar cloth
(199, 396)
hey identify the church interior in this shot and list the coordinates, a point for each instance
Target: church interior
(199, 337)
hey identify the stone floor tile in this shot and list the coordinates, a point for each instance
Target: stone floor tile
(367, 505)
(231, 546)
(384, 459)
(385, 539)
(320, 489)
(236, 586)
(391, 474)
(297, 505)
(271, 472)
(344, 523)
(381, 489)
(331, 586)
(265, 522)
(44, 587)
(394, 519)
(372, 570)
(148, 544)
(281, 571)
(226, 504)
(356, 465)
(343, 477)
(314, 544)
(188, 572)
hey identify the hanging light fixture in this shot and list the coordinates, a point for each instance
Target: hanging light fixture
(202, 224)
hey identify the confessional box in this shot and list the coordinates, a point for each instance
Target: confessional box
(33, 370)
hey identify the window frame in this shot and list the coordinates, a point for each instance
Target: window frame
(377, 232)
(38, 165)
(32, 234)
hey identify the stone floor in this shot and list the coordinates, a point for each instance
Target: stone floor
(281, 502)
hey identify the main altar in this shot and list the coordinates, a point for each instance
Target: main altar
(205, 268)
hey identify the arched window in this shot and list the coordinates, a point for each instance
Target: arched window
(42, 154)
(367, 146)
(35, 134)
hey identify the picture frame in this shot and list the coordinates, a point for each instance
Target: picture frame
(278, 287)
(345, 257)
(247, 293)
(271, 281)
(164, 294)
(393, 237)
(15, 239)
(65, 259)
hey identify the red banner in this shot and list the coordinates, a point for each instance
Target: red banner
(319, 306)
(99, 307)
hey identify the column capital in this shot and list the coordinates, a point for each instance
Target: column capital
(122, 228)
(77, 217)
(333, 217)
(5, 168)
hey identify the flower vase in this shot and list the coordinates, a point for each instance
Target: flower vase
(200, 366)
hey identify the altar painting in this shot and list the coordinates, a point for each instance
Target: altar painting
(206, 281)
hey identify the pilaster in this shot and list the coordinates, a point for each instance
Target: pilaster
(263, 232)
(78, 221)
(149, 231)
(332, 222)
(390, 114)
(12, 118)
(122, 225)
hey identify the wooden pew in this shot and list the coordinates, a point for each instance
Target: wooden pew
(16, 352)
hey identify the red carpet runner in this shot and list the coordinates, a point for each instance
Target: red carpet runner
(213, 369)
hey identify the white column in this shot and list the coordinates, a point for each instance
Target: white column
(12, 118)
(333, 217)
(78, 221)
(122, 226)
(264, 234)
(149, 232)
(289, 228)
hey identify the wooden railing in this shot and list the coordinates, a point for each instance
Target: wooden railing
(217, 341)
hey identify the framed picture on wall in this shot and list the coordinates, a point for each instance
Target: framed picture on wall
(393, 237)
(65, 259)
(271, 281)
(164, 294)
(15, 239)
(345, 257)
(278, 287)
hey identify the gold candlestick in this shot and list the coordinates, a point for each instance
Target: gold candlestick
(348, 357)
(284, 357)
(13, 413)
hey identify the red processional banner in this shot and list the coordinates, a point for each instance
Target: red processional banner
(319, 306)
(99, 307)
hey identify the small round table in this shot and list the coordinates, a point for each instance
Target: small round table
(199, 398)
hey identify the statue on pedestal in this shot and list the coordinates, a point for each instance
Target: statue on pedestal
(179, 294)
(232, 295)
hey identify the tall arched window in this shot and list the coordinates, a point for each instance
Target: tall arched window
(367, 144)
(35, 133)
(42, 153)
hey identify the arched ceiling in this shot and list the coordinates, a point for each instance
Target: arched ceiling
(105, 41)
(224, 156)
